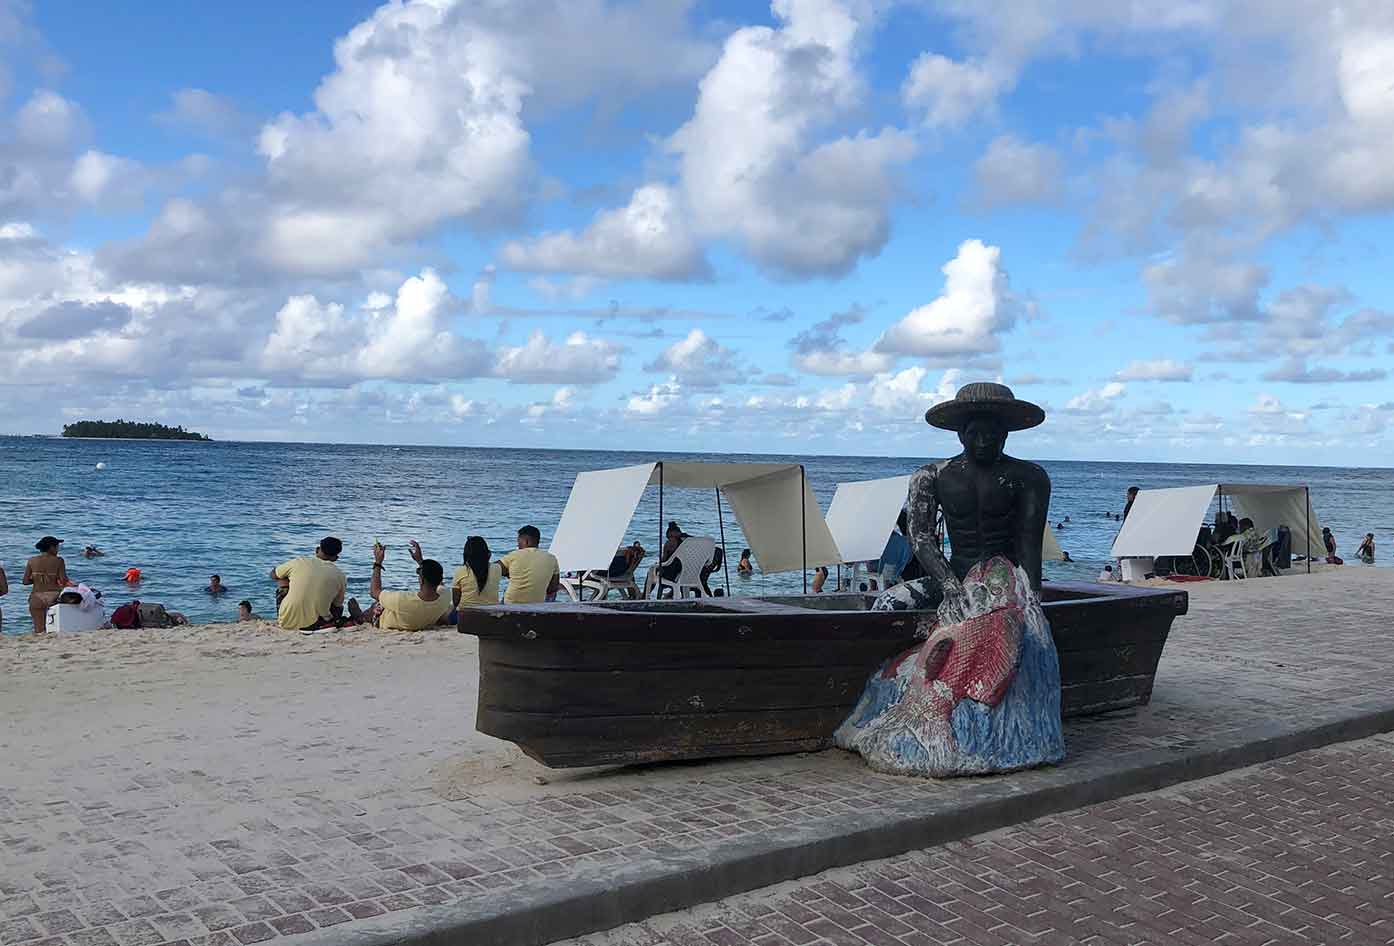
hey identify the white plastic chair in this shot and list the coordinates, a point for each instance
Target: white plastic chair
(1234, 558)
(694, 554)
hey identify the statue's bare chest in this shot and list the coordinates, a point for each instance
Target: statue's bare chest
(988, 496)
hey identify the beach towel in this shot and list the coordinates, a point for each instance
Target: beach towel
(127, 616)
(980, 695)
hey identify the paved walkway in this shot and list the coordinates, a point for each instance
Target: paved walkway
(221, 789)
(1292, 852)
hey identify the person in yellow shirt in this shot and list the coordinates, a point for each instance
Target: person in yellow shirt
(314, 599)
(476, 582)
(533, 575)
(409, 610)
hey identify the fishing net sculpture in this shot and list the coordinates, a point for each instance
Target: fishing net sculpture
(982, 692)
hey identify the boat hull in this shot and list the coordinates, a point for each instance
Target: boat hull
(632, 682)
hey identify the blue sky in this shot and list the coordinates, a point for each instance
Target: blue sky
(706, 226)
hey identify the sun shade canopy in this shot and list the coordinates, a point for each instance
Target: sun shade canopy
(772, 502)
(863, 516)
(1167, 521)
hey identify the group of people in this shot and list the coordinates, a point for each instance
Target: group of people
(311, 589)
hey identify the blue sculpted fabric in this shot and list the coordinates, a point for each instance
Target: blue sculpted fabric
(980, 695)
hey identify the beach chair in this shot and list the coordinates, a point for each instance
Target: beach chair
(1234, 557)
(694, 554)
(599, 583)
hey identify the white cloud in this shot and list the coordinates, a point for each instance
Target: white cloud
(410, 340)
(658, 399)
(1161, 369)
(948, 93)
(752, 167)
(699, 361)
(648, 238)
(975, 308)
(1012, 172)
(1197, 287)
(97, 174)
(580, 359)
(204, 112)
(838, 362)
(1096, 400)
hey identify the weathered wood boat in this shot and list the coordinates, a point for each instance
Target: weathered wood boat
(615, 682)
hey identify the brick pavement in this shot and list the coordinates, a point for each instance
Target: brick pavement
(147, 826)
(1298, 851)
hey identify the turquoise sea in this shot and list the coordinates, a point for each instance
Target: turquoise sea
(183, 511)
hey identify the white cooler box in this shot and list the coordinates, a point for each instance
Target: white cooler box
(69, 618)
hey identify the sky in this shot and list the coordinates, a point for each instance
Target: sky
(714, 226)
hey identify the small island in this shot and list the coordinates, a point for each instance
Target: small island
(129, 430)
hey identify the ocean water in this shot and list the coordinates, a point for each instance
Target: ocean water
(183, 511)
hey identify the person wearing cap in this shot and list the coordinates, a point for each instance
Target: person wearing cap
(314, 599)
(47, 574)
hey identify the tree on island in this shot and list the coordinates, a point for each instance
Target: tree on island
(129, 430)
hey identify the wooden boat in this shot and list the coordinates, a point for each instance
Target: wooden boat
(615, 682)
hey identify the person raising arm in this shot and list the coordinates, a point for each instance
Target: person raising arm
(409, 610)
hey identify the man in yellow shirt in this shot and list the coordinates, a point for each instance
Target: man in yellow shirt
(533, 575)
(410, 610)
(315, 597)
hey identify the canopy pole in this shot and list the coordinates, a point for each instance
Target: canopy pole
(1307, 528)
(725, 556)
(803, 522)
(658, 588)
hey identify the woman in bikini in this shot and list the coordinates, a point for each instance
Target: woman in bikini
(48, 574)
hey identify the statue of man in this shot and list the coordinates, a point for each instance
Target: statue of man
(993, 504)
(982, 692)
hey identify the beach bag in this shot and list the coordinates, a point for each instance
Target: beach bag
(154, 615)
(127, 616)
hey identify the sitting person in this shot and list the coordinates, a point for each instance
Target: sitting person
(533, 575)
(244, 612)
(626, 560)
(408, 610)
(314, 595)
(216, 586)
(1107, 574)
(744, 566)
(476, 581)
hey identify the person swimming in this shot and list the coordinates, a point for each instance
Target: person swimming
(745, 566)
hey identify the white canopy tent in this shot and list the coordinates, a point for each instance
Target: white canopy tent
(773, 503)
(1167, 521)
(863, 515)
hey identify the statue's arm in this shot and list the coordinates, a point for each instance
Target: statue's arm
(1035, 506)
(922, 508)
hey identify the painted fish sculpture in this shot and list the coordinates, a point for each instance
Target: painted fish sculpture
(980, 695)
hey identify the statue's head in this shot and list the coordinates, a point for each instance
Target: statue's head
(983, 437)
(982, 414)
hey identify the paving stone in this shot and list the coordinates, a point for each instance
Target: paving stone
(136, 933)
(290, 925)
(18, 930)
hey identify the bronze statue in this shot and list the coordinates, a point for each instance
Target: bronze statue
(993, 504)
(982, 692)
